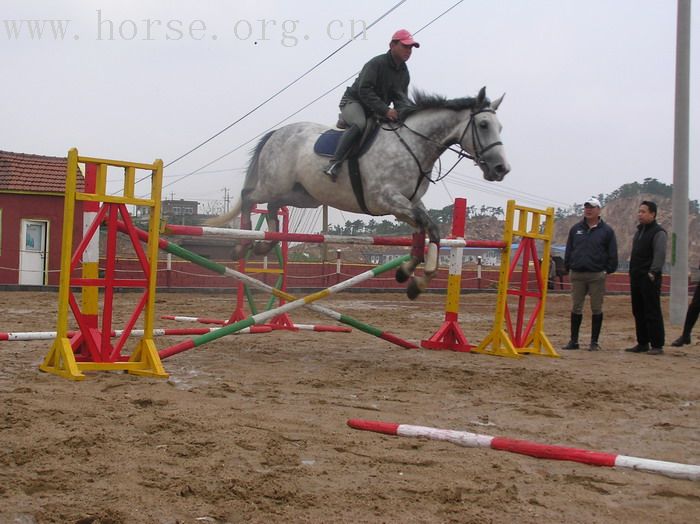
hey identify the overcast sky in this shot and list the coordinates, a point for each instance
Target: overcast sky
(589, 84)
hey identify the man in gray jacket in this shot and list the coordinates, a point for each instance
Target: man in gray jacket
(591, 254)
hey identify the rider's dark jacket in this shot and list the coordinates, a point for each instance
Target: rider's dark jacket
(380, 83)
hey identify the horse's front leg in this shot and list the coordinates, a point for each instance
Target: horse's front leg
(419, 284)
(405, 270)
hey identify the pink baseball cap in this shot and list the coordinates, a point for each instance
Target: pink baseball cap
(406, 38)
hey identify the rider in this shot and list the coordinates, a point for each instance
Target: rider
(383, 80)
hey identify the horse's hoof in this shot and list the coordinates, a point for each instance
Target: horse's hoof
(401, 276)
(431, 259)
(262, 248)
(413, 290)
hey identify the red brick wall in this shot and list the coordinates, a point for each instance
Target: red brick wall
(16, 207)
(317, 275)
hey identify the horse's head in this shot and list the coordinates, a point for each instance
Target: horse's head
(482, 138)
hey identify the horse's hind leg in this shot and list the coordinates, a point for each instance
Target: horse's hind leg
(264, 247)
(240, 249)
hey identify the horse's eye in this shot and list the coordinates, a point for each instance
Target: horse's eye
(483, 124)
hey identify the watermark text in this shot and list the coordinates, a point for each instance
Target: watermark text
(287, 32)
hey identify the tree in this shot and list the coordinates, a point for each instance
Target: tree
(563, 212)
(212, 207)
(385, 227)
(357, 227)
(650, 185)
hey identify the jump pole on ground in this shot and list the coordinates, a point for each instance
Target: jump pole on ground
(533, 449)
(25, 336)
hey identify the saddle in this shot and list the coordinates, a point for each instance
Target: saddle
(328, 141)
(326, 146)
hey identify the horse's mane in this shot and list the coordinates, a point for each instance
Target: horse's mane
(422, 100)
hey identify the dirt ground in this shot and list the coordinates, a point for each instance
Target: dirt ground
(252, 428)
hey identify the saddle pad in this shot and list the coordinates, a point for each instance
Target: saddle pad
(327, 142)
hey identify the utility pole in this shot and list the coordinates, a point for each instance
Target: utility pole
(227, 198)
(324, 246)
(679, 239)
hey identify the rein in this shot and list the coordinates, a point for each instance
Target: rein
(479, 148)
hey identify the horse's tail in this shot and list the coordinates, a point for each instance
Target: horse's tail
(251, 180)
(251, 175)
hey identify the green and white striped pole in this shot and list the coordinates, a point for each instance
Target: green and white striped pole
(289, 306)
(184, 254)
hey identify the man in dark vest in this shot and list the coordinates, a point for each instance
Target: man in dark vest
(383, 80)
(646, 261)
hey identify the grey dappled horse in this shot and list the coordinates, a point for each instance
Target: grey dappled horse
(395, 171)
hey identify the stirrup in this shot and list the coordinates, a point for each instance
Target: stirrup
(331, 169)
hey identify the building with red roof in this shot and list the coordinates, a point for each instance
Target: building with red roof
(31, 217)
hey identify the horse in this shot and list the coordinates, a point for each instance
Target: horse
(395, 171)
(557, 270)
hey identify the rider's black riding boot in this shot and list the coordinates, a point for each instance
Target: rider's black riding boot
(342, 149)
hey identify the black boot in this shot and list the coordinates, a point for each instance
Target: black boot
(596, 324)
(342, 150)
(576, 319)
(681, 341)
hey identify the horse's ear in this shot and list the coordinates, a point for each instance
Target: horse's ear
(481, 97)
(497, 102)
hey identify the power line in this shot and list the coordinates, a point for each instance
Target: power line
(438, 16)
(213, 171)
(502, 190)
(273, 126)
(323, 95)
(290, 84)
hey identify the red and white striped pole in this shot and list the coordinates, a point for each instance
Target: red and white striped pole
(533, 449)
(256, 329)
(23, 336)
(318, 238)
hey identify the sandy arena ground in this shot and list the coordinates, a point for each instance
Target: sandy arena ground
(252, 428)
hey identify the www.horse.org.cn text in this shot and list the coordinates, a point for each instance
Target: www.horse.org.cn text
(108, 28)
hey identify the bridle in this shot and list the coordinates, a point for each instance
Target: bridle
(479, 148)
(477, 157)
